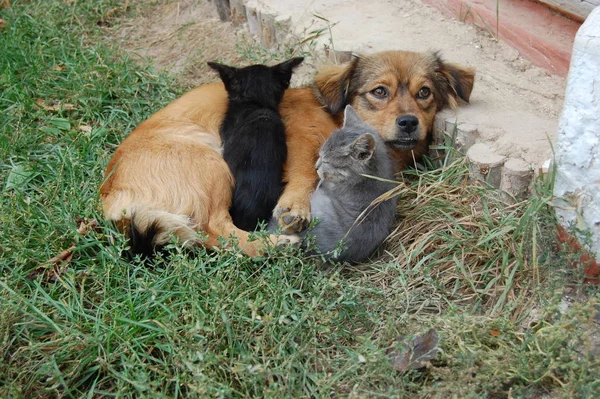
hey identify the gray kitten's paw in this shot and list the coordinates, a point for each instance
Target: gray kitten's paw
(293, 240)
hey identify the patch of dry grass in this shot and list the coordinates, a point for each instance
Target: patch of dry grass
(461, 235)
(461, 246)
(179, 37)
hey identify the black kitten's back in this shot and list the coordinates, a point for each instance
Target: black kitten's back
(253, 137)
(255, 153)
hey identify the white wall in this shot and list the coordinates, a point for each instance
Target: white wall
(577, 184)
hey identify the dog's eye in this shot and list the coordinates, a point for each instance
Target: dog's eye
(424, 93)
(379, 92)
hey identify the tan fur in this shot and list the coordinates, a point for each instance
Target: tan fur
(169, 170)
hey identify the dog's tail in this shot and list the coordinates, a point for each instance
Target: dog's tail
(150, 229)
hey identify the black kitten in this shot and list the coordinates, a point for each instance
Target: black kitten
(253, 137)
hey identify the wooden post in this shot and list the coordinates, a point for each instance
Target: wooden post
(238, 12)
(516, 179)
(223, 9)
(485, 164)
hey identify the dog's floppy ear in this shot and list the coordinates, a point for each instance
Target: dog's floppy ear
(226, 72)
(457, 82)
(331, 85)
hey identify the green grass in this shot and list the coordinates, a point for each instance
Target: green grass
(218, 324)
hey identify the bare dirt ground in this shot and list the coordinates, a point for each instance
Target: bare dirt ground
(515, 105)
(179, 36)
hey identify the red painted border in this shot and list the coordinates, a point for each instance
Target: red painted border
(539, 34)
(591, 268)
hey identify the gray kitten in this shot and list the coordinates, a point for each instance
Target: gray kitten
(344, 193)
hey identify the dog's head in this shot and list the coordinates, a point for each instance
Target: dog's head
(397, 92)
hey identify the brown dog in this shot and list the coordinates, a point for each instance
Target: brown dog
(169, 178)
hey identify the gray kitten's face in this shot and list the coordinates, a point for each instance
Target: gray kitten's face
(348, 152)
(345, 156)
(332, 165)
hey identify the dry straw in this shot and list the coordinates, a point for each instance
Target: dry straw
(463, 244)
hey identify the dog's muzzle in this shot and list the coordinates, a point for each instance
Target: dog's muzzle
(402, 144)
(407, 133)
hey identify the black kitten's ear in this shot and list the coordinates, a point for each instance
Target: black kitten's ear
(286, 68)
(363, 147)
(351, 118)
(290, 64)
(227, 73)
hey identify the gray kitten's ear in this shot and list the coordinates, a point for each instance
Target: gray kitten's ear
(351, 118)
(363, 147)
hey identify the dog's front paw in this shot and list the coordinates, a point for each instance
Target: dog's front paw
(292, 218)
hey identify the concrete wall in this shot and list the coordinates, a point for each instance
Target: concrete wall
(577, 185)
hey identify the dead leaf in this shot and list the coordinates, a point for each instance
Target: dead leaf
(54, 106)
(54, 267)
(84, 128)
(59, 68)
(86, 225)
(45, 106)
(2, 23)
(409, 353)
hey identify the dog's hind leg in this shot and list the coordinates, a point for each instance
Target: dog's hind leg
(220, 224)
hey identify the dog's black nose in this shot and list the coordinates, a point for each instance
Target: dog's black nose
(407, 123)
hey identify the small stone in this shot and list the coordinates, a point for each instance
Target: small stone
(545, 167)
